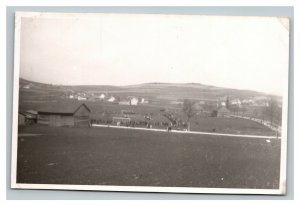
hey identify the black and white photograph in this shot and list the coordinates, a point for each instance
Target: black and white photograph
(150, 103)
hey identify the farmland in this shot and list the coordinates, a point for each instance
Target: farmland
(110, 156)
(39, 95)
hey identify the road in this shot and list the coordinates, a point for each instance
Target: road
(186, 132)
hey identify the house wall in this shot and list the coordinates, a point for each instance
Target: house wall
(55, 120)
(82, 117)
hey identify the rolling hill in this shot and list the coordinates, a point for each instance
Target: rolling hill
(156, 90)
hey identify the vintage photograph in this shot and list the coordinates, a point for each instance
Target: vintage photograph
(150, 103)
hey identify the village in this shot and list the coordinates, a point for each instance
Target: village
(146, 102)
(90, 108)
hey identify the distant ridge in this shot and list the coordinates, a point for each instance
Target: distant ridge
(159, 89)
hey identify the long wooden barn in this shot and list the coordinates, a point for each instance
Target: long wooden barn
(64, 114)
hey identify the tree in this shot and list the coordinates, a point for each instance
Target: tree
(272, 111)
(189, 110)
(227, 103)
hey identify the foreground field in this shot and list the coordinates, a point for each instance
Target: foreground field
(110, 156)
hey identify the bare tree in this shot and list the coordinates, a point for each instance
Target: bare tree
(272, 111)
(189, 110)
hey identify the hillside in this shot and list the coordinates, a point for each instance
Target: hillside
(164, 91)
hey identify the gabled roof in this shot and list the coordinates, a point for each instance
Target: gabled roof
(66, 107)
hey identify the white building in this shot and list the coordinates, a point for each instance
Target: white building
(223, 104)
(102, 96)
(111, 99)
(134, 101)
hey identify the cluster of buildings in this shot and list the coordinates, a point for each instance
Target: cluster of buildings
(130, 100)
(225, 106)
(257, 101)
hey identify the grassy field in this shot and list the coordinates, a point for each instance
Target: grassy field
(109, 156)
(230, 126)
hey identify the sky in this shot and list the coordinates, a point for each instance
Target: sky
(125, 49)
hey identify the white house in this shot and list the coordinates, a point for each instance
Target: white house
(134, 101)
(102, 96)
(111, 99)
(223, 104)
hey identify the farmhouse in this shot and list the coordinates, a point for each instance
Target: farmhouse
(134, 101)
(64, 114)
(111, 99)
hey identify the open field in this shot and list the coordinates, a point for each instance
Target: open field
(230, 126)
(109, 156)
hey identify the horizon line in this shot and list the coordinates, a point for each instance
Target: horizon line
(74, 85)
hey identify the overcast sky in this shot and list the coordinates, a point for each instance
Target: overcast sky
(110, 49)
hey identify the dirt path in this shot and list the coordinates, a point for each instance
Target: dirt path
(186, 132)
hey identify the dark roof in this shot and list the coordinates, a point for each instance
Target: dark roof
(67, 107)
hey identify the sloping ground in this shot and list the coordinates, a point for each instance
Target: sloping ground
(109, 156)
(230, 126)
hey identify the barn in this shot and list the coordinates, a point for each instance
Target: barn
(27, 118)
(64, 114)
